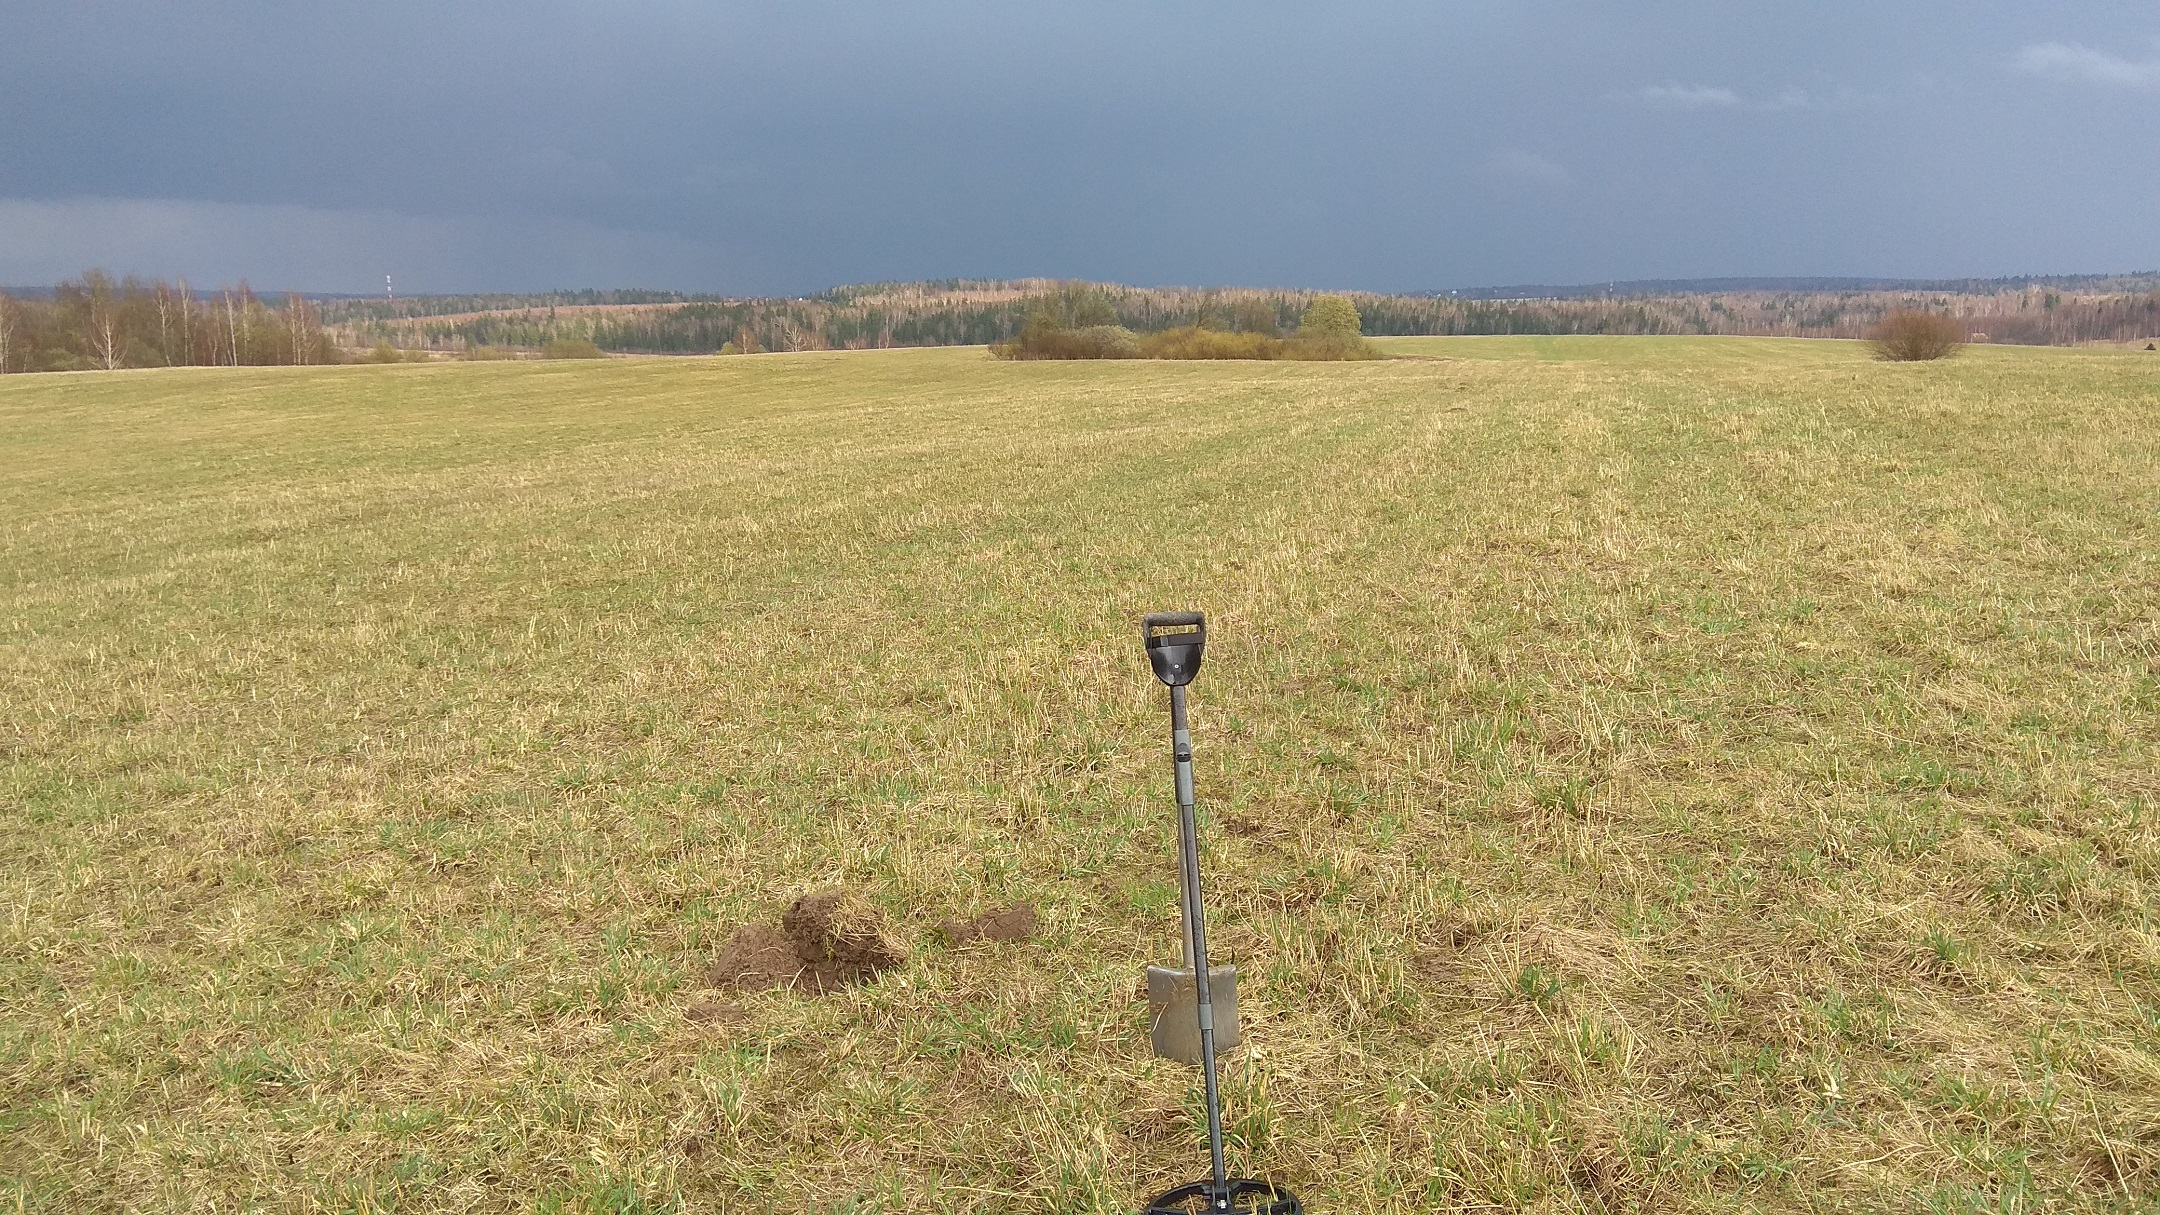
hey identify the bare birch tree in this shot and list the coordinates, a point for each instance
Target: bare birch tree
(164, 322)
(300, 317)
(187, 318)
(106, 339)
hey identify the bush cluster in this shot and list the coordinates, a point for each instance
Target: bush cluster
(1073, 324)
(1911, 336)
(1198, 342)
(1087, 342)
(1195, 342)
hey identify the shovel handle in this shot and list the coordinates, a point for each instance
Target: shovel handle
(1172, 623)
(1174, 641)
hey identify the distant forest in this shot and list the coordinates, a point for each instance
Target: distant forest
(99, 322)
(970, 313)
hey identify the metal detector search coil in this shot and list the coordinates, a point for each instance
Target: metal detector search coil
(1175, 642)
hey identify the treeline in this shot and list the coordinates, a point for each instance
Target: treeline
(847, 319)
(360, 309)
(988, 313)
(2143, 283)
(95, 322)
(703, 328)
(2030, 316)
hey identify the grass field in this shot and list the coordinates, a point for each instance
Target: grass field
(1689, 774)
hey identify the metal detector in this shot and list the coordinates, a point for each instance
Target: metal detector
(1174, 643)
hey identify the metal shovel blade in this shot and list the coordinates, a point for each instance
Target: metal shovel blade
(1174, 1011)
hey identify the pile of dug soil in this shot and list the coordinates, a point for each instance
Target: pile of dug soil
(825, 940)
(835, 938)
(757, 957)
(840, 939)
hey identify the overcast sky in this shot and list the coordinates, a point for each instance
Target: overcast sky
(786, 147)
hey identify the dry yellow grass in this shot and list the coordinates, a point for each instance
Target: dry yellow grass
(1636, 774)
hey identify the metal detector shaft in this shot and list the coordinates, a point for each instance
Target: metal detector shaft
(1195, 926)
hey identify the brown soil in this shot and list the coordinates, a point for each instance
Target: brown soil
(825, 941)
(835, 928)
(756, 958)
(1010, 924)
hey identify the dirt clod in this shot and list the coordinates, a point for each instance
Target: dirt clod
(838, 926)
(756, 958)
(1015, 923)
(839, 939)
(825, 941)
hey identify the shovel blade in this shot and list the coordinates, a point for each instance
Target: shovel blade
(1174, 1011)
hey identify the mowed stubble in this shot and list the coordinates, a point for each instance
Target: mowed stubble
(1708, 774)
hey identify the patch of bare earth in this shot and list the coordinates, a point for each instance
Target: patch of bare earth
(825, 941)
(1016, 923)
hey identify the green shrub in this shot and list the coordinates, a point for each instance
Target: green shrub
(1194, 342)
(571, 348)
(1330, 348)
(1070, 321)
(1329, 332)
(1331, 318)
(1091, 342)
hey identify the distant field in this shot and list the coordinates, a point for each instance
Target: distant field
(1692, 774)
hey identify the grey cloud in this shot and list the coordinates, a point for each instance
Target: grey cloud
(333, 250)
(1688, 97)
(1805, 99)
(1707, 97)
(2082, 64)
(553, 172)
(765, 146)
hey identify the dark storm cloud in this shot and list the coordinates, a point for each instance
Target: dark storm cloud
(784, 147)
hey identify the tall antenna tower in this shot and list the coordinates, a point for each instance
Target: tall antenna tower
(388, 294)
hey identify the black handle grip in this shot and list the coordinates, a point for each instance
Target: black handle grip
(1175, 641)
